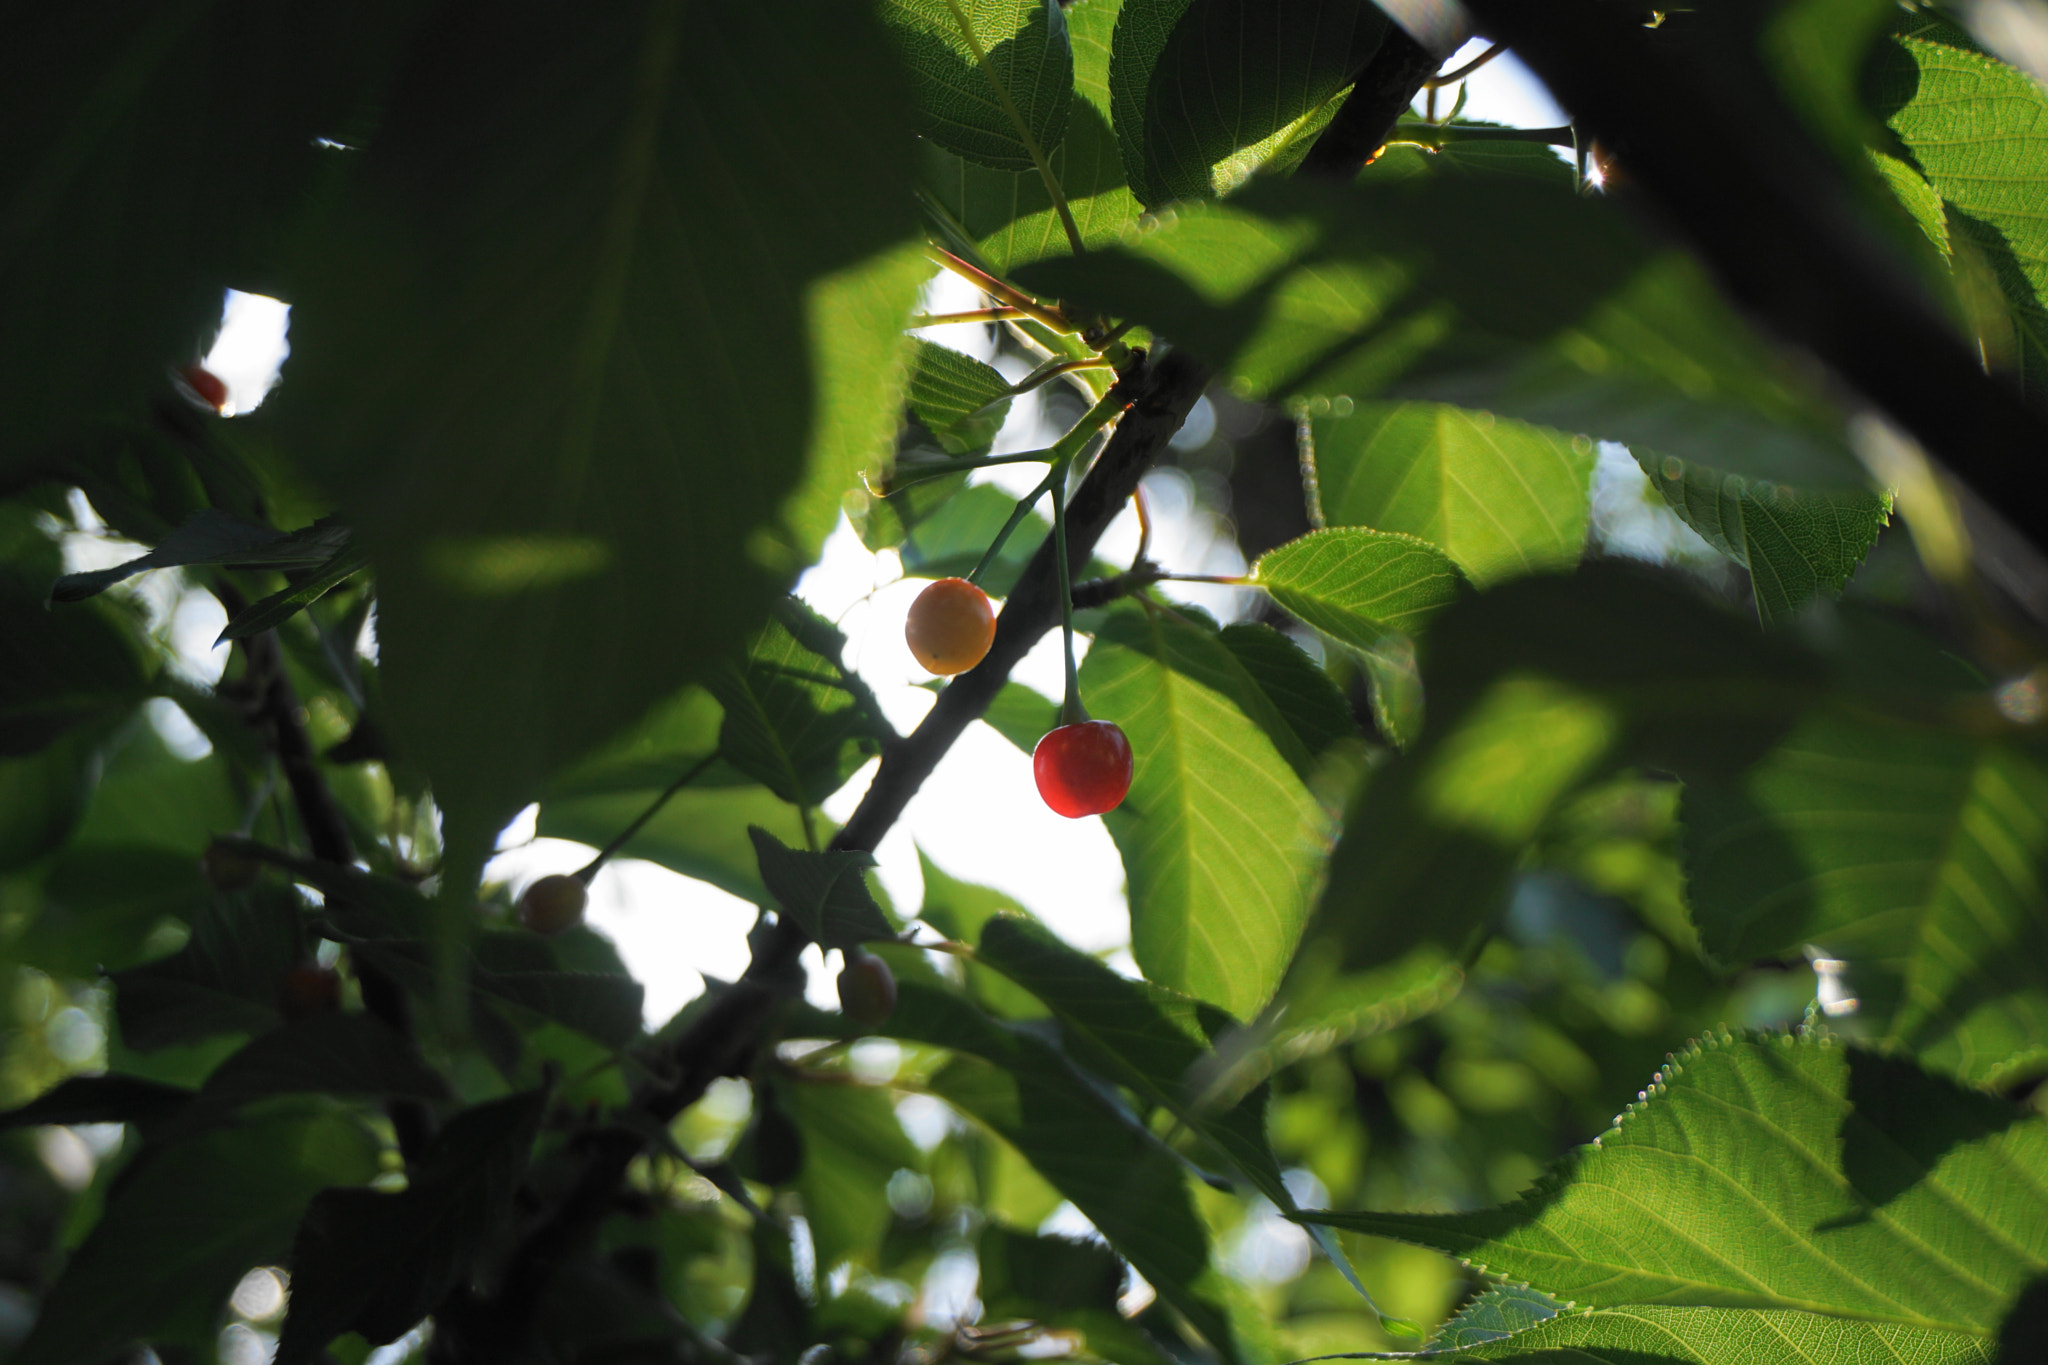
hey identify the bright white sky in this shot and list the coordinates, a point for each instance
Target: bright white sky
(979, 816)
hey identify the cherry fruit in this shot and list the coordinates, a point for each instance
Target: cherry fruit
(227, 868)
(553, 903)
(867, 989)
(208, 387)
(308, 989)
(1083, 769)
(950, 626)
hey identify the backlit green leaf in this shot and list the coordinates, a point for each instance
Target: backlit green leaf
(1009, 214)
(1122, 1178)
(1203, 90)
(1780, 1172)
(1914, 856)
(1357, 585)
(1978, 130)
(1797, 543)
(1219, 837)
(699, 832)
(1496, 293)
(1500, 498)
(792, 721)
(528, 466)
(852, 1144)
(993, 78)
(827, 893)
(960, 400)
(1723, 1336)
(185, 1224)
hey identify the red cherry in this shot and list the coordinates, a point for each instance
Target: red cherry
(308, 989)
(553, 903)
(1083, 769)
(950, 626)
(208, 387)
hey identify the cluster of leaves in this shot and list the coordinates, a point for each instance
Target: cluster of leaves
(599, 326)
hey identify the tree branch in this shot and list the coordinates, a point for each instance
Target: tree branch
(1713, 149)
(1380, 95)
(722, 1039)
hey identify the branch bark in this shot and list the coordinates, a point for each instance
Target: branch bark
(723, 1038)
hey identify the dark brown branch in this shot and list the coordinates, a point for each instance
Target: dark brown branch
(722, 1040)
(281, 719)
(1714, 151)
(1380, 95)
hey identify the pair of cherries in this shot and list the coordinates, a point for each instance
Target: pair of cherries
(1081, 769)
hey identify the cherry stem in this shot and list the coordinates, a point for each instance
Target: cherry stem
(589, 870)
(1070, 709)
(902, 477)
(1008, 294)
(1001, 314)
(1434, 136)
(1144, 512)
(1453, 77)
(1061, 454)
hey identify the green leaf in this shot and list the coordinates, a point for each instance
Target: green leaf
(962, 911)
(1203, 90)
(1978, 131)
(149, 797)
(43, 796)
(198, 121)
(699, 832)
(1530, 701)
(1797, 543)
(328, 1054)
(224, 980)
(286, 603)
(1123, 1179)
(604, 1006)
(1780, 1172)
(1913, 855)
(826, 893)
(1220, 839)
(549, 475)
(100, 1099)
(214, 537)
(852, 1144)
(377, 1263)
(1008, 214)
(1357, 585)
(960, 400)
(1307, 702)
(1500, 498)
(100, 905)
(66, 667)
(1022, 715)
(1140, 1035)
(1495, 293)
(673, 738)
(1501, 1311)
(792, 721)
(184, 1224)
(1721, 1336)
(993, 78)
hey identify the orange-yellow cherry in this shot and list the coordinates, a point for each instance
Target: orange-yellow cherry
(950, 626)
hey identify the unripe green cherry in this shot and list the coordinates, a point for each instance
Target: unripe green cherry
(553, 903)
(867, 989)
